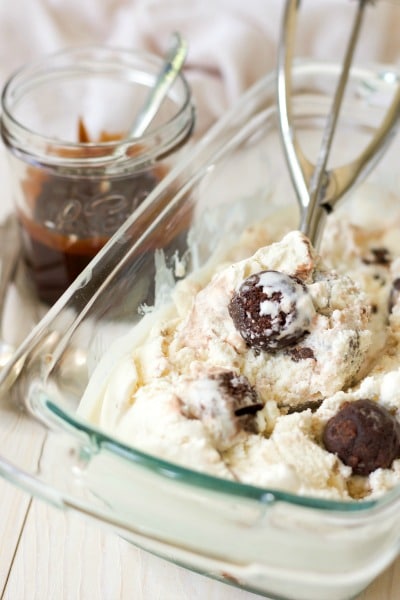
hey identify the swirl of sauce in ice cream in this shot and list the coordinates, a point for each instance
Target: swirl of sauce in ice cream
(271, 310)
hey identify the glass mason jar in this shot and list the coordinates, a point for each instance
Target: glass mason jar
(76, 175)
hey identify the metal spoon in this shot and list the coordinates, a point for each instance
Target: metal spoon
(173, 63)
(9, 254)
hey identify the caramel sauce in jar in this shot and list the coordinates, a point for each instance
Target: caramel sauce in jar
(71, 220)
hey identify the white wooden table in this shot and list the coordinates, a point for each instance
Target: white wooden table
(46, 554)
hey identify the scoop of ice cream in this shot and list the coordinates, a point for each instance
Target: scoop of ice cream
(300, 296)
(364, 435)
(291, 459)
(154, 423)
(225, 403)
(271, 310)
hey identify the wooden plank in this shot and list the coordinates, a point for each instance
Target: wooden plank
(385, 587)
(21, 442)
(62, 556)
(13, 508)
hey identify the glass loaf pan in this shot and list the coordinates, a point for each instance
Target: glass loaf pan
(263, 540)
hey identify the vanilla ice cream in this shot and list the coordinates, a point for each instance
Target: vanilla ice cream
(280, 369)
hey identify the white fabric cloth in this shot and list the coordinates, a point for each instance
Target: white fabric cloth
(232, 43)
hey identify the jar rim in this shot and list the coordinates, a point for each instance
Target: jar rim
(48, 150)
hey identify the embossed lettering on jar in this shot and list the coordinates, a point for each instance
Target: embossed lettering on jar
(62, 121)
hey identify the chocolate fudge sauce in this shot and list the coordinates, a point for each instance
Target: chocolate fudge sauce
(71, 220)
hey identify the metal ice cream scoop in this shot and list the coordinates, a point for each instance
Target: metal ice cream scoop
(317, 188)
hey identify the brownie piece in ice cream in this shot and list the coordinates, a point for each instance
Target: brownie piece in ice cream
(271, 310)
(364, 435)
(225, 403)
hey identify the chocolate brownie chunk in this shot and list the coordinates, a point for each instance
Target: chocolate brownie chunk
(364, 435)
(271, 310)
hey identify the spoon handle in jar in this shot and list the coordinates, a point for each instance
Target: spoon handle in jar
(173, 63)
